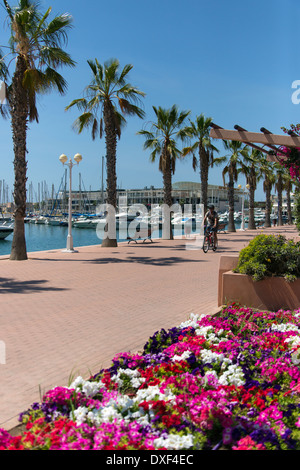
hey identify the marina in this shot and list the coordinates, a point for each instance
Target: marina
(50, 233)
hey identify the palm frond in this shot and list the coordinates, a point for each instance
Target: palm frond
(119, 122)
(125, 72)
(101, 128)
(33, 112)
(8, 9)
(55, 57)
(55, 80)
(56, 32)
(81, 104)
(84, 121)
(94, 68)
(43, 21)
(130, 109)
(95, 129)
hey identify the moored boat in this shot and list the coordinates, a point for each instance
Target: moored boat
(5, 230)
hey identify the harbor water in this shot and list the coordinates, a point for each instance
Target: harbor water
(44, 237)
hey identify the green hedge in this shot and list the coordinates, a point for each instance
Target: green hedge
(270, 255)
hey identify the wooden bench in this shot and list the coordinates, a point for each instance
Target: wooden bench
(222, 228)
(143, 234)
(260, 223)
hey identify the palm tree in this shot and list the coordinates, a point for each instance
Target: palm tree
(162, 140)
(36, 45)
(236, 151)
(253, 175)
(288, 187)
(267, 170)
(107, 99)
(279, 186)
(199, 130)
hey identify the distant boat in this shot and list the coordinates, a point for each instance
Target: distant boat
(40, 220)
(88, 222)
(5, 230)
(53, 221)
(187, 223)
(94, 222)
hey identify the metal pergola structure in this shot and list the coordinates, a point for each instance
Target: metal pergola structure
(273, 142)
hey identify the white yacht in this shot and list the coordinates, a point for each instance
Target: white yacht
(5, 230)
(53, 221)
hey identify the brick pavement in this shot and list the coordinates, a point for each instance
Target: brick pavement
(65, 314)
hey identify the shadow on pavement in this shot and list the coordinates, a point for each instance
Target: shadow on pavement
(147, 260)
(12, 286)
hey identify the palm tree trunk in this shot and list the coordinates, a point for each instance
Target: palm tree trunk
(268, 188)
(251, 222)
(288, 202)
(111, 150)
(19, 116)
(279, 190)
(167, 179)
(231, 224)
(203, 177)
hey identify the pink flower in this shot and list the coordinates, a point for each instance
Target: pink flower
(247, 443)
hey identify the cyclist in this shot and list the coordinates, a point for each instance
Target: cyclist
(211, 220)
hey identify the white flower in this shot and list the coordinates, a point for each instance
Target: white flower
(285, 327)
(232, 376)
(203, 330)
(174, 442)
(193, 321)
(109, 413)
(295, 357)
(183, 356)
(208, 356)
(80, 414)
(132, 374)
(88, 388)
(153, 393)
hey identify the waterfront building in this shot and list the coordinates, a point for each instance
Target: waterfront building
(185, 192)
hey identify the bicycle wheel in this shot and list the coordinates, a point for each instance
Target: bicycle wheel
(215, 245)
(206, 244)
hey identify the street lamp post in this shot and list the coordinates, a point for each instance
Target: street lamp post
(243, 206)
(63, 158)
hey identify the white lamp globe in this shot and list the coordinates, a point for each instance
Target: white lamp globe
(78, 158)
(63, 158)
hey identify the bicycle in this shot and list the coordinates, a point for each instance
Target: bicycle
(209, 242)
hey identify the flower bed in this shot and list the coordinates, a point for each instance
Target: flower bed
(228, 381)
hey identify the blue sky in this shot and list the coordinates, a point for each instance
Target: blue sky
(233, 61)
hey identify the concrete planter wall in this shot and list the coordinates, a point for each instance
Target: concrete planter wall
(271, 293)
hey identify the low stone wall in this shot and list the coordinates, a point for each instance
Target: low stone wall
(273, 293)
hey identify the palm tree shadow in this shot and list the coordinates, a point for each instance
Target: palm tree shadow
(14, 286)
(147, 260)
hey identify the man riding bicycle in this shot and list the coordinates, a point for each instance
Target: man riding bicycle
(211, 220)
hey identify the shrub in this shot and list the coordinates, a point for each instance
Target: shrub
(270, 255)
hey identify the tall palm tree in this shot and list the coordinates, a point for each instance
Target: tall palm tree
(234, 163)
(253, 175)
(162, 140)
(199, 131)
(279, 186)
(288, 187)
(107, 99)
(36, 44)
(267, 170)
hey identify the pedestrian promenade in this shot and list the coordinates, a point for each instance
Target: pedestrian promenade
(68, 314)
